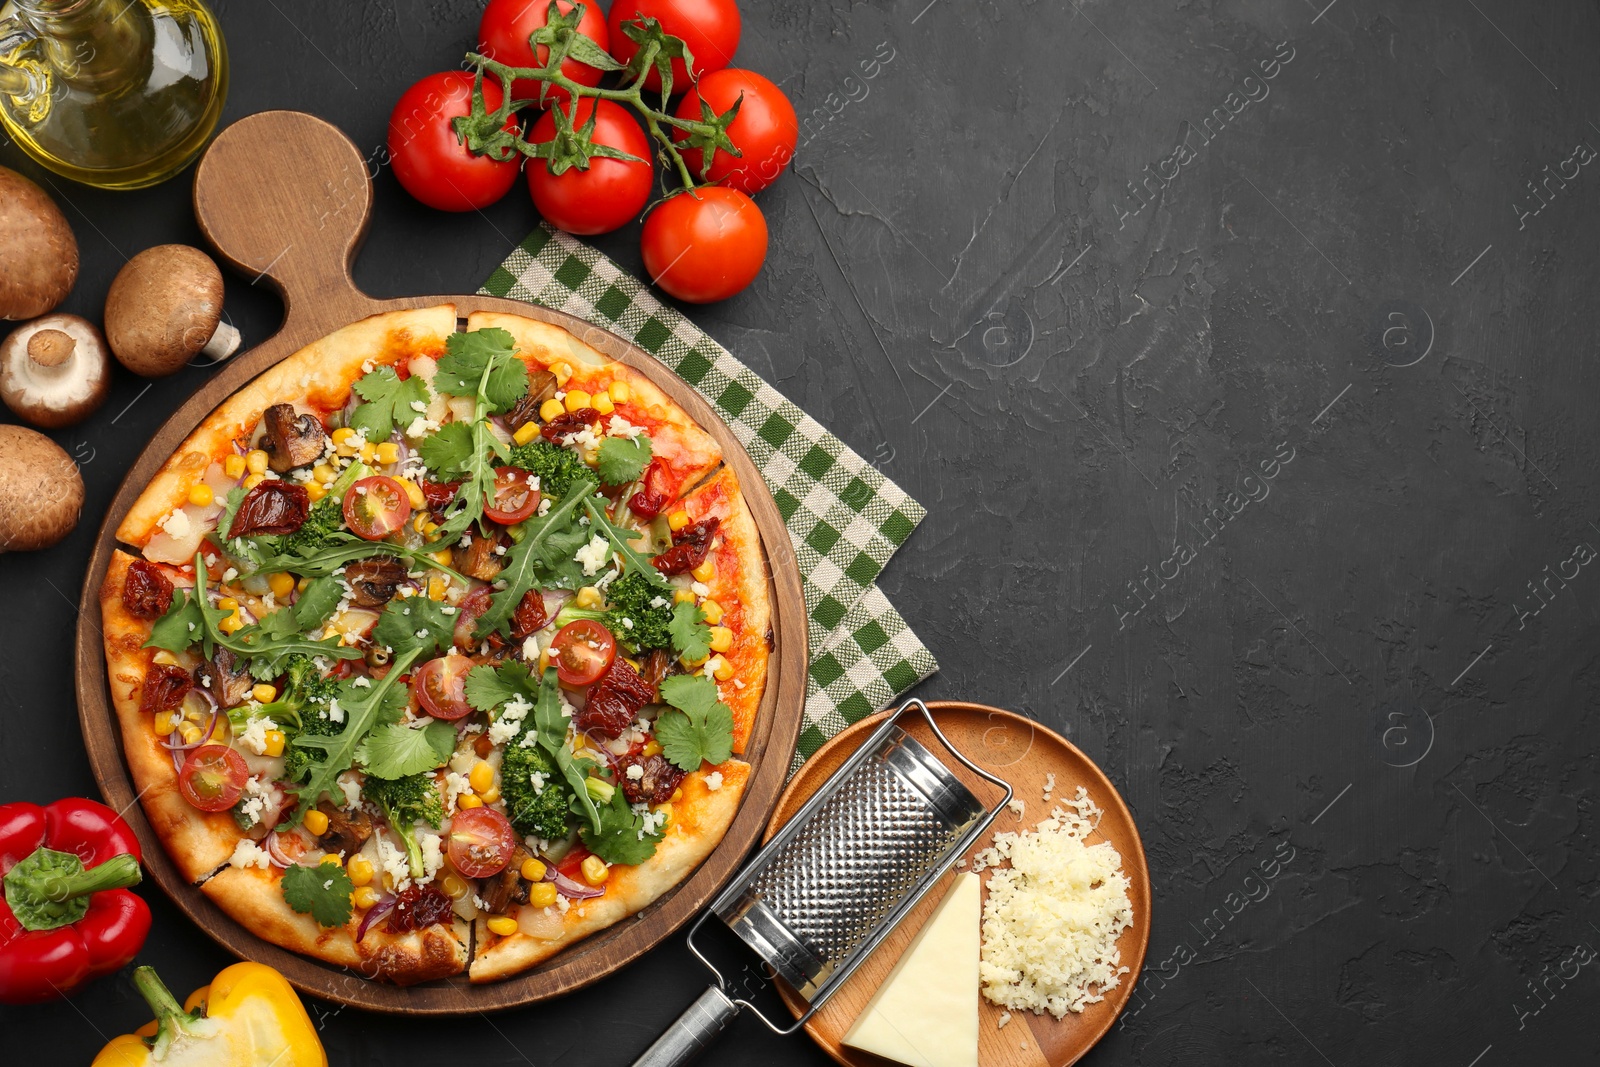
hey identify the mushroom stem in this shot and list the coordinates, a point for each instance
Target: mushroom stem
(51, 348)
(223, 343)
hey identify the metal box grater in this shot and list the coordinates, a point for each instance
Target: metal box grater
(833, 883)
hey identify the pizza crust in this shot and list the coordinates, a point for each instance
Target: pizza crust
(699, 821)
(319, 375)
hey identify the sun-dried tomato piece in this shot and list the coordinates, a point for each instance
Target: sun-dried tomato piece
(657, 782)
(648, 501)
(146, 592)
(615, 700)
(418, 907)
(568, 422)
(164, 688)
(272, 507)
(689, 547)
(530, 617)
(437, 494)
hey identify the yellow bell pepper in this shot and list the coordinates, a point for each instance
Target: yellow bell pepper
(249, 1016)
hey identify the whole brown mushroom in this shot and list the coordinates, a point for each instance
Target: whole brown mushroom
(41, 491)
(54, 371)
(38, 253)
(164, 308)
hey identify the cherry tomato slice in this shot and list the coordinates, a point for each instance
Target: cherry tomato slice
(441, 687)
(213, 777)
(582, 652)
(482, 842)
(515, 498)
(376, 507)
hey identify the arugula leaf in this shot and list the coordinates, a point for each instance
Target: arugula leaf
(551, 727)
(619, 836)
(322, 891)
(622, 540)
(317, 602)
(690, 634)
(362, 708)
(395, 750)
(483, 363)
(181, 626)
(622, 460)
(388, 401)
(230, 508)
(698, 726)
(416, 623)
(543, 558)
(448, 450)
(490, 687)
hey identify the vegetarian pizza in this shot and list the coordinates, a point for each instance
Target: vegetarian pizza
(435, 649)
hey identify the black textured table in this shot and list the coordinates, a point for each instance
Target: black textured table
(1243, 355)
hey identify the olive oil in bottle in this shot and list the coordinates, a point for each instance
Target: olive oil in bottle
(119, 94)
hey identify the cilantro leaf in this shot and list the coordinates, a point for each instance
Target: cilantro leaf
(490, 687)
(622, 540)
(395, 750)
(551, 729)
(542, 558)
(622, 460)
(415, 623)
(690, 634)
(698, 726)
(448, 450)
(619, 836)
(388, 401)
(483, 363)
(323, 892)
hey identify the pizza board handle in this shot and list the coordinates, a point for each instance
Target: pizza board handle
(285, 199)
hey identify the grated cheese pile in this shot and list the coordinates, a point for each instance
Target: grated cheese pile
(1054, 912)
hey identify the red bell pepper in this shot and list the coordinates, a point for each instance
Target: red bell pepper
(66, 915)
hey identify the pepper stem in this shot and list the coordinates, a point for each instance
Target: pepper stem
(118, 872)
(156, 994)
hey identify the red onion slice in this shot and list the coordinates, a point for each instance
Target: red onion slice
(376, 912)
(310, 858)
(570, 889)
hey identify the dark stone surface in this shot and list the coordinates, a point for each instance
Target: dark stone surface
(1348, 667)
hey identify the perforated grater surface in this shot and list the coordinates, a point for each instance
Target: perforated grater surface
(833, 883)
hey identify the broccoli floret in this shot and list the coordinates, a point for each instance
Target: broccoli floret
(632, 614)
(404, 801)
(325, 519)
(541, 813)
(304, 688)
(556, 467)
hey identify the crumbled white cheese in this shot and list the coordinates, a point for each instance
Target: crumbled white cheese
(421, 426)
(1049, 784)
(1017, 807)
(658, 602)
(176, 525)
(254, 801)
(230, 574)
(1000, 1023)
(335, 712)
(455, 784)
(510, 721)
(593, 555)
(432, 853)
(621, 427)
(254, 736)
(636, 771)
(529, 739)
(249, 854)
(418, 405)
(714, 781)
(361, 681)
(537, 780)
(701, 589)
(463, 761)
(393, 862)
(350, 788)
(562, 903)
(530, 648)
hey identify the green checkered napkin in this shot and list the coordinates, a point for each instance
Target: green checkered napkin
(845, 518)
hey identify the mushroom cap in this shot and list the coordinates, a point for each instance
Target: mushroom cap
(54, 371)
(162, 308)
(38, 253)
(41, 491)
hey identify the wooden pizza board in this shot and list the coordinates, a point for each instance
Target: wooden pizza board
(1023, 753)
(285, 199)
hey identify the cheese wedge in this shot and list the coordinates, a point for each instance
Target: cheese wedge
(926, 1012)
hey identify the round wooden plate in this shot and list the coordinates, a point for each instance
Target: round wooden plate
(285, 199)
(1024, 753)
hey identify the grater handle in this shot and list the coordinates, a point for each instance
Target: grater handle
(695, 1029)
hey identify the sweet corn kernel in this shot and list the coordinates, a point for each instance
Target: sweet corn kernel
(677, 795)
(687, 662)
(220, 733)
(254, 480)
(595, 871)
(550, 409)
(165, 723)
(602, 403)
(468, 800)
(315, 491)
(233, 467)
(678, 520)
(442, 556)
(542, 894)
(281, 584)
(324, 474)
(525, 433)
(563, 373)
(533, 870)
(481, 776)
(490, 795)
(264, 692)
(255, 461)
(360, 870)
(201, 495)
(364, 897)
(332, 859)
(231, 625)
(705, 572)
(454, 886)
(343, 434)
(544, 659)
(165, 658)
(712, 611)
(504, 925)
(303, 584)
(588, 597)
(721, 639)
(189, 732)
(228, 603)
(722, 670)
(436, 588)
(414, 494)
(578, 399)
(388, 452)
(620, 392)
(652, 747)
(275, 742)
(430, 528)
(683, 596)
(316, 823)
(369, 452)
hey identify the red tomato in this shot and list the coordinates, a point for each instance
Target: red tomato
(429, 161)
(441, 687)
(376, 507)
(582, 652)
(504, 33)
(705, 245)
(515, 498)
(765, 129)
(709, 27)
(213, 777)
(612, 192)
(482, 842)
(475, 604)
